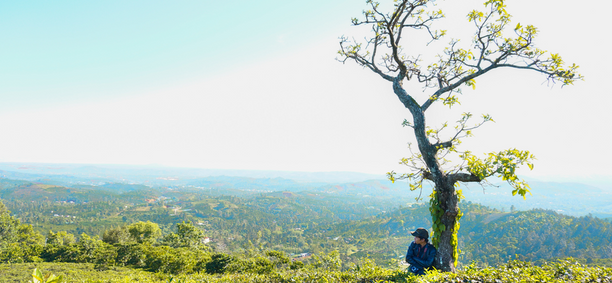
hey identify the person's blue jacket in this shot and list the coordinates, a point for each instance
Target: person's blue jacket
(420, 258)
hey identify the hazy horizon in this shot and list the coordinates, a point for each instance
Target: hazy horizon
(602, 182)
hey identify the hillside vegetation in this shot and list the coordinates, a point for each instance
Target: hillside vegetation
(514, 271)
(213, 235)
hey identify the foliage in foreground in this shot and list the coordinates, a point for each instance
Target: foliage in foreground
(38, 277)
(73, 272)
(568, 270)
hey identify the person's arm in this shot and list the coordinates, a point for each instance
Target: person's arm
(431, 254)
(411, 256)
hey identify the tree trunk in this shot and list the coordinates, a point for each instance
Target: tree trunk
(449, 202)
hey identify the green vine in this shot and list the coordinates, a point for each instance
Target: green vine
(436, 218)
(438, 227)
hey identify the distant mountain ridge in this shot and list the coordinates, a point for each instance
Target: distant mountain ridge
(566, 198)
(149, 173)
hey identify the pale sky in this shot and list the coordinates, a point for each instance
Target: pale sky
(254, 85)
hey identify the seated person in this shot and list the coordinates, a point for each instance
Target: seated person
(421, 253)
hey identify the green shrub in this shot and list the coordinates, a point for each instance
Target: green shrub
(295, 265)
(568, 270)
(218, 263)
(60, 253)
(132, 254)
(175, 261)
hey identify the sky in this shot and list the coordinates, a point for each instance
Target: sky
(255, 85)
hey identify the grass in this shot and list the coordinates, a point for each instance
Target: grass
(73, 272)
(568, 270)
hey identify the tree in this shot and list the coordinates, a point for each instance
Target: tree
(28, 237)
(90, 248)
(187, 236)
(144, 232)
(8, 226)
(442, 79)
(119, 235)
(61, 238)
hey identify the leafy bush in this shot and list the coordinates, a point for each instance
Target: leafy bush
(218, 263)
(568, 270)
(60, 253)
(175, 261)
(132, 254)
